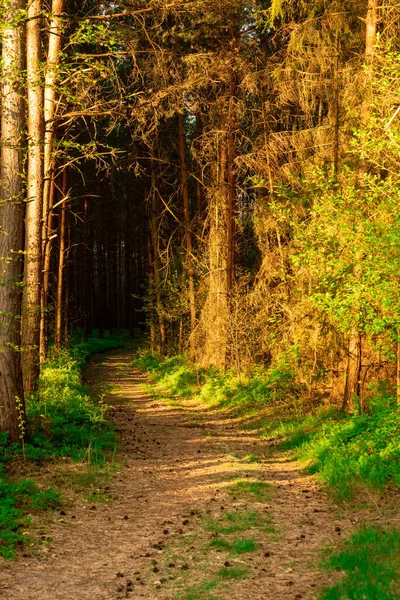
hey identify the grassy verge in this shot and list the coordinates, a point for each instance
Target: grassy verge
(345, 450)
(370, 565)
(63, 422)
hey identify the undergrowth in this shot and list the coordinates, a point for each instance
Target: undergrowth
(62, 422)
(345, 450)
(370, 560)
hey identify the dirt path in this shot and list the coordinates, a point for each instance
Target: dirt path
(174, 497)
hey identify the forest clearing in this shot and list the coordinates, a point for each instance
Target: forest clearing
(199, 299)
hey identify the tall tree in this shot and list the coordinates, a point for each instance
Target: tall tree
(188, 231)
(55, 34)
(11, 219)
(33, 218)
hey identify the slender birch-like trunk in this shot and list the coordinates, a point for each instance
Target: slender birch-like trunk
(49, 107)
(11, 223)
(46, 259)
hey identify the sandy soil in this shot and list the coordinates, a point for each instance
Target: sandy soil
(152, 540)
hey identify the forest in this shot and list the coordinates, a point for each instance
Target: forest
(200, 235)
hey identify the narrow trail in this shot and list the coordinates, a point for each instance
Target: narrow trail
(153, 540)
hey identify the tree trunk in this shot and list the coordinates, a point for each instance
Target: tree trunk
(198, 174)
(151, 309)
(230, 211)
(33, 219)
(156, 261)
(50, 95)
(353, 374)
(87, 274)
(215, 314)
(44, 295)
(371, 23)
(11, 224)
(188, 233)
(61, 263)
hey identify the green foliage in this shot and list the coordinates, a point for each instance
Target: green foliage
(346, 450)
(220, 544)
(62, 418)
(89, 33)
(174, 373)
(349, 247)
(371, 561)
(273, 385)
(360, 449)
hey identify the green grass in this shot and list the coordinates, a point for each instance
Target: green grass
(90, 481)
(201, 591)
(182, 378)
(243, 546)
(370, 560)
(234, 522)
(239, 546)
(63, 421)
(17, 501)
(347, 452)
(252, 458)
(259, 490)
(220, 544)
(233, 573)
(204, 591)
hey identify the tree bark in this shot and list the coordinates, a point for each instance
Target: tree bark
(44, 294)
(156, 261)
(188, 233)
(33, 219)
(151, 303)
(371, 23)
(61, 263)
(50, 96)
(353, 374)
(215, 314)
(11, 224)
(49, 104)
(87, 272)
